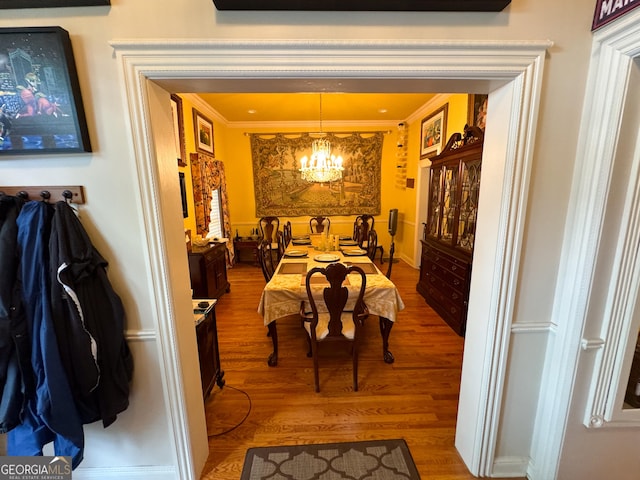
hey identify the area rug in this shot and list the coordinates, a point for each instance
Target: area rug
(375, 459)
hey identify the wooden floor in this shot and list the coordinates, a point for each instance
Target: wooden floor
(415, 398)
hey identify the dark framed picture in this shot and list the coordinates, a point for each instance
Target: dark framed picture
(178, 129)
(477, 111)
(183, 195)
(433, 132)
(41, 107)
(51, 3)
(203, 131)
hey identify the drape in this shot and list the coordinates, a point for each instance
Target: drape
(207, 174)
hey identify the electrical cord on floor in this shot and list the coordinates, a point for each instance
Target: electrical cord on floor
(241, 421)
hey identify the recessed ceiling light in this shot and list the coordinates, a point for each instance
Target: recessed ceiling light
(382, 110)
(252, 111)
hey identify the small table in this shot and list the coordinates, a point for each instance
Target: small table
(207, 336)
(245, 243)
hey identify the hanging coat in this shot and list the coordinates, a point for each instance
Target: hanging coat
(16, 375)
(89, 320)
(51, 415)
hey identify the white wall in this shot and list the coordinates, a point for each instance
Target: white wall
(112, 214)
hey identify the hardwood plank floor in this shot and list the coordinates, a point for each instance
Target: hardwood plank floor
(415, 398)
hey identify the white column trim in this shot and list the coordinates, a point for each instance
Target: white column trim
(613, 48)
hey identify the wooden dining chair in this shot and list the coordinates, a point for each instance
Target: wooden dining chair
(319, 224)
(392, 249)
(286, 234)
(281, 246)
(332, 323)
(269, 227)
(361, 227)
(372, 244)
(265, 257)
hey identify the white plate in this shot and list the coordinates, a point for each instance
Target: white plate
(301, 237)
(354, 252)
(345, 237)
(301, 242)
(326, 257)
(295, 253)
(348, 243)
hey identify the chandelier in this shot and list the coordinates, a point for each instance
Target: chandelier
(322, 167)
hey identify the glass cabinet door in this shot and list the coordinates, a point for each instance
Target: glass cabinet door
(435, 205)
(449, 187)
(470, 190)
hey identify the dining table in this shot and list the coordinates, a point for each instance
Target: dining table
(284, 293)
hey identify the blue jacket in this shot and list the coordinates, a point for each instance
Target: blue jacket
(51, 415)
(16, 376)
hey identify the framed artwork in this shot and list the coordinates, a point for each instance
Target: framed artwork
(477, 111)
(203, 131)
(433, 132)
(178, 129)
(41, 108)
(367, 5)
(51, 3)
(183, 195)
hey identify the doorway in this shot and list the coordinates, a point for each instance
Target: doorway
(510, 73)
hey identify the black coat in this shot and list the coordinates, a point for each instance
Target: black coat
(16, 374)
(89, 321)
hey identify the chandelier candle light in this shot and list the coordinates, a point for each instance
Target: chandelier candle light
(322, 167)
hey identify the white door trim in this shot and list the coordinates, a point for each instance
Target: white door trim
(512, 68)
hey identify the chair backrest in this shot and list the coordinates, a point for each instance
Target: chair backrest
(391, 251)
(265, 257)
(286, 234)
(335, 298)
(372, 244)
(281, 246)
(269, 227)
(319, 224)
(361, 226)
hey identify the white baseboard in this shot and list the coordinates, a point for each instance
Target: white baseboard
(509, 467)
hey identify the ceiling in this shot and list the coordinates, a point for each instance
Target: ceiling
(305, 107)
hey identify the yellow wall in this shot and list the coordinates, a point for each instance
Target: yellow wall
(232, 146)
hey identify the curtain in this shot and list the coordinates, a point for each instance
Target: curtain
(207, 174)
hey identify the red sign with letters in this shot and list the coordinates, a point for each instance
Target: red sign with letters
(609, 10)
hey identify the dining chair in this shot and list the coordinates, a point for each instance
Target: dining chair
(332, 322)
(265, 257)
(286, 234)
(392, 249)
(361, 227)
(319, 224)
(372, 244)
(269, 227)
(281, 246)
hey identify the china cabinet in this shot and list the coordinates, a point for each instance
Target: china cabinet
(449, 232)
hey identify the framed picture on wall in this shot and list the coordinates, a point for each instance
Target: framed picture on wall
(51, 3)
(178, 129)
(433, 132)
(203, 131)
(41, 108)
(477, 111)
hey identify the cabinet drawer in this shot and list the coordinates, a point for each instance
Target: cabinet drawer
(445, 291)
(449, 263)
(455, 281)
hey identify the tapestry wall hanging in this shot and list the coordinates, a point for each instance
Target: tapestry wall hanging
(280, 190)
